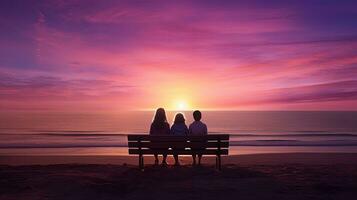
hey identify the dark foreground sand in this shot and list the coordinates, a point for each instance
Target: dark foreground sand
(265, 176)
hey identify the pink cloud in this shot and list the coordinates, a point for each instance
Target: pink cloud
(221, 56)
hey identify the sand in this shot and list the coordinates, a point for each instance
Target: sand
(261, 176)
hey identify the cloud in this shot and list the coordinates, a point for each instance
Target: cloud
(52, 88)
(333, 91)
(220, 54)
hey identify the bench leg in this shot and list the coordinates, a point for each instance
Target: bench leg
(219, 162)
(141, 161)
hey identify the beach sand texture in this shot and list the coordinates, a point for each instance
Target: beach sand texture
(264, 176)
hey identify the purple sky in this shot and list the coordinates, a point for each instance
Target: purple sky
(233, 55)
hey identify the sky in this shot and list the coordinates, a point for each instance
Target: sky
(84, 55)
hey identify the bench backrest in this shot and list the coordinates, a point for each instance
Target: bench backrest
(208, 144)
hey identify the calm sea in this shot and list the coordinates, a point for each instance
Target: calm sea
(25, 133)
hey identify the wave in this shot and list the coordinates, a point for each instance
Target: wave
(288, 143)
(72, 134)
(298, 135)
(85, 134)
(247, 134)
(267, 143)
(26, 146)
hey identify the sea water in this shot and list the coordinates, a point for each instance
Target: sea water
(50, 133)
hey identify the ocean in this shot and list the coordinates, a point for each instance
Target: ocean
(49, 133)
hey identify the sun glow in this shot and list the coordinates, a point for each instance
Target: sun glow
(181, 105)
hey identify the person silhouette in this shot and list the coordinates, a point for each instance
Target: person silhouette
(160, 126)
(197, 128)
(179, 128)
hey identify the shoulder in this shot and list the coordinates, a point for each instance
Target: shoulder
(201, 123)
(167, 125)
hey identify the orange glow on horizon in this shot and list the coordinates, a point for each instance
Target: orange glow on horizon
(185, 56)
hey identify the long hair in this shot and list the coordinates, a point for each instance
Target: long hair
(159, 118)
(179, 118)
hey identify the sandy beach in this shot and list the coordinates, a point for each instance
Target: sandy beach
(260, 176)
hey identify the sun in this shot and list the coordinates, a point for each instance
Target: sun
(181, 105)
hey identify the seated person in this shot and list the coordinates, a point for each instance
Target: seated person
(179, 128)
(197, 128)
(160, 126)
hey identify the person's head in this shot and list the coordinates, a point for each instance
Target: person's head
(179, 118)
(160, 117)
(197, 115)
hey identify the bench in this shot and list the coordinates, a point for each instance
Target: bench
(141, 145)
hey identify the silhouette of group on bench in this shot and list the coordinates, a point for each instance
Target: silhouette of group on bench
(160, 126)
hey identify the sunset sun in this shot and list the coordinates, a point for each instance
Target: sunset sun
(181, 105)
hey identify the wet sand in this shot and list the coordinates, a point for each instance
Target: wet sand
(261, 176)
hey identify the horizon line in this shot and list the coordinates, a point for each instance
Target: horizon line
(174, 110)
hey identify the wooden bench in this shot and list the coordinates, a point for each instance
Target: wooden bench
(181, 145)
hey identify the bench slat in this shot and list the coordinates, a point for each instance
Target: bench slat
(180, 152)
(215, 137)
(178, 144)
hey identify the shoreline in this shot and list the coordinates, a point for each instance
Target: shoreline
(244, 159)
